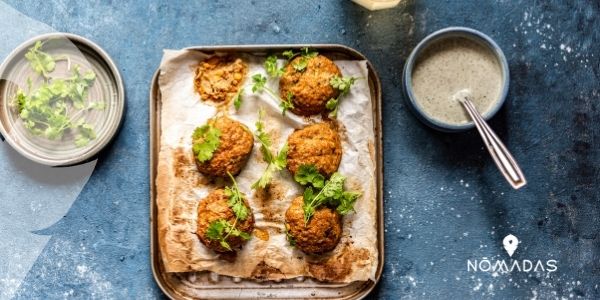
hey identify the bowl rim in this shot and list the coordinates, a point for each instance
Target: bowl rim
(450, 32)
(112, 69)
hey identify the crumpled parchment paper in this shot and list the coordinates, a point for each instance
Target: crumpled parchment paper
(268, 254)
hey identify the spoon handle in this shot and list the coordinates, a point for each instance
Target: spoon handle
(502, 157)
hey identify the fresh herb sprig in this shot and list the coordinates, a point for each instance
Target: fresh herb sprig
(237, 99)
(302, 63)
(308, 175)
(221, 229)
(273, 70)
(206, 140)
(274, 162)
(332, 194)
(343, 84)
(48, 109)
(291, 239)
(40, 61)
(260, 84)
(289, 54)
(236, 200)
(287, 103)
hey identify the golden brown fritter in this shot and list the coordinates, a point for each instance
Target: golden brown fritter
(317, 144)
(218, 78)
(236, 142)
(215, 207)
(310, 88)
(322, 233)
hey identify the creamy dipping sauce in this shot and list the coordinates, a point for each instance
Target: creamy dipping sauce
(450, 65)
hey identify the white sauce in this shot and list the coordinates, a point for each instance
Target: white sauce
(448, 66)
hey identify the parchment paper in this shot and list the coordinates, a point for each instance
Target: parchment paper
(268, 254)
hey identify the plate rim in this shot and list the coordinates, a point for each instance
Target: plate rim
(112, 69)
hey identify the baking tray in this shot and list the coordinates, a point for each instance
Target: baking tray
(209, 285)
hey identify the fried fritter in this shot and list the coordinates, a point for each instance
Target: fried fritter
(320, 235)
(317, 144)
(215, 207)
(310, 88)
(235, 145)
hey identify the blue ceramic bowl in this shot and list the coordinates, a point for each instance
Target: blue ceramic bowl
(449, 33)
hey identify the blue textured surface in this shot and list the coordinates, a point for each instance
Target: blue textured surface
(445, 202)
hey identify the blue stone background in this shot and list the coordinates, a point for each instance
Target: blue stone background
(445, 202)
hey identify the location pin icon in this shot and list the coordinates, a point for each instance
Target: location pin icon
(510, 243)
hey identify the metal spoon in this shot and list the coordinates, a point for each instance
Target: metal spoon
(503, 159)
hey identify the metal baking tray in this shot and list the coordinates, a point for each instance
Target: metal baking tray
(209, 285)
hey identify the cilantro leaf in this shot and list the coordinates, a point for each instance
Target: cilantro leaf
(86, 134)
(346, 202)
(332, 105)
(220, 230)
(334, 186)
(332, 194)
(277, 163)
(291, 239)
(342, 84)
(81, 141)
(280, 160)
(206, 140)
(224, 244)
(89, 76)
(306, 52)
(271, 66)
(265, 178)
(309, 175)
(263, 137)
(308, 195)
(216, 229)
(301, 64)
(236, 200)
(41, 62)
(87, 130)
(274, 163)
(289, 54)
(237, 99)
(47, 110)
(287, 104)
(259, 83)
